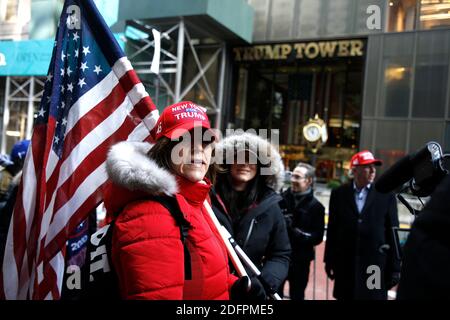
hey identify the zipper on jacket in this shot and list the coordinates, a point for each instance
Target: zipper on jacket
(249, 232)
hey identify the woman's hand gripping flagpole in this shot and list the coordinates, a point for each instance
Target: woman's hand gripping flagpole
(235, 252)
(231, 252)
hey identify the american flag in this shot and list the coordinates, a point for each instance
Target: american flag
(92, 99)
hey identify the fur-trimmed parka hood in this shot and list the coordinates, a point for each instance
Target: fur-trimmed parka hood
(134, 176)
(128, 166)
(267, 155)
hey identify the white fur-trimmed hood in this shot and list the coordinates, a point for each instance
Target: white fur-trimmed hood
(128, 166)
(265, 151)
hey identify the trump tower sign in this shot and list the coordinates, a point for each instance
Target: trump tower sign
(302, 50)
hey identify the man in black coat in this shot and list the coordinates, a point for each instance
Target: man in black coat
(359, 252)
(305, 222)
(426, 259)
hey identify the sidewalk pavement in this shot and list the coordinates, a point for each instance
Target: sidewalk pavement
(318, 286)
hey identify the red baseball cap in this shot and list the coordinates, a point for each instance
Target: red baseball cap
(178, 118)
(364, 158)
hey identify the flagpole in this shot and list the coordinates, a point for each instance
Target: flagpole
(235, 251)
(223, 233)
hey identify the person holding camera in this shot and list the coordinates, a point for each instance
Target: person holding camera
(426, 254)
(359, 253)
(305, 221)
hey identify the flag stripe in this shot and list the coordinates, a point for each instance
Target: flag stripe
(122, 133)
(60, 239)
(57, 263)
(52, 163)
(90, 99)
(94, 117)
(81, 151)
(19, 229)
(90, 115)
(90, 162)
(41, 136)
(95, 137)
(138, 134)
(25, 206)
(142, 110)
(81, 129)
(141, 132)
(11, 281)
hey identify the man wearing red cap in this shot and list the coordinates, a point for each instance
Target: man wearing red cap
(359, 253)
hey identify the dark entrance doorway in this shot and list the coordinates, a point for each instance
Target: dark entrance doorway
(286, 95)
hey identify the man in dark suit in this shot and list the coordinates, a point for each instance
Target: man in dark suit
(305, 223)
(359, 253)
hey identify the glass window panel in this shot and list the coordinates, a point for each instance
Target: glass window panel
(434, 14)
(338, 17)
(353, 97)
(261, 8)
(448, 100)
(397, 64)
(390, 144)
(282, 18)
(259, 99)
(3, 6)
(425, 131)
(431, 80)
(199, 93)
(367, 131)
(446, 145)
(308, 16)
(372, 76)
(2, 103)
(402, 15)
(11, 10)
(241, 99)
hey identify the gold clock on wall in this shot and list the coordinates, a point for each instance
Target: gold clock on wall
(315, 130)
(312, 132)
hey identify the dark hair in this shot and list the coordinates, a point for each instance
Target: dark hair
(161, 153)
(235, 201)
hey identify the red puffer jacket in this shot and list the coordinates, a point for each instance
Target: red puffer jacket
(147, 251)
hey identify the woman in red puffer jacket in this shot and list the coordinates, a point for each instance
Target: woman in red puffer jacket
(147, 252)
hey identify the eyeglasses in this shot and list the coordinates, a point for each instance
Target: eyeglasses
(297, 177)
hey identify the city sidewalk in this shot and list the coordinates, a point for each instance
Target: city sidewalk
(317, 288)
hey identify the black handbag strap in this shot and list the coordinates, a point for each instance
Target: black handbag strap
(171, 204)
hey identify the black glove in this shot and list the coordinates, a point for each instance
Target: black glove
(241, 292)
(330, 272)
(288, 218)
(393, 280)
(298, 233)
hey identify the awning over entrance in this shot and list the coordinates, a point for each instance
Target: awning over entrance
(25, 58)
(230, 20)
(29, 57)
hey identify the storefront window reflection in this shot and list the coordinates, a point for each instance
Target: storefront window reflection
(8, 10)
(286, 95)
(434, 14)
(402, 15)
(406, 15)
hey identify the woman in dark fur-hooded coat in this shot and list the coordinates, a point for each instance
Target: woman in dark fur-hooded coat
(250, 210)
